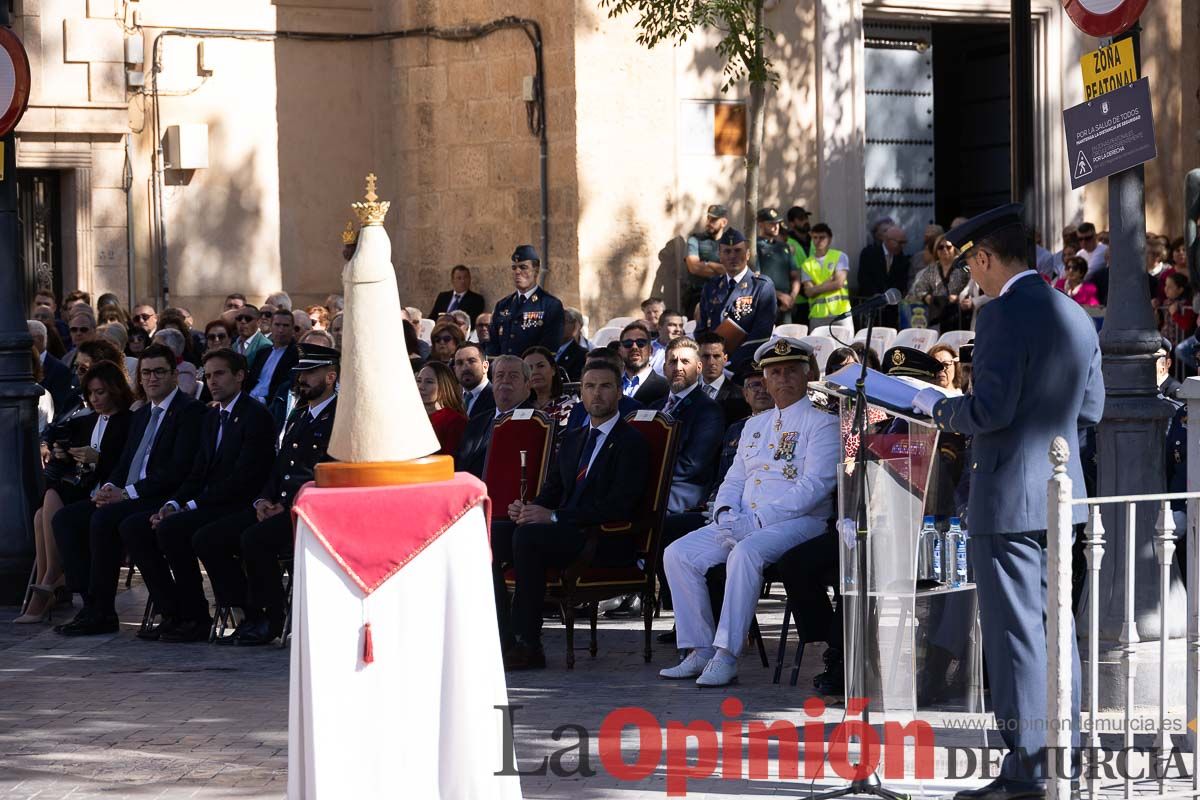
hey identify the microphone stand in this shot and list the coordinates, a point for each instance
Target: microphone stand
(871, 784)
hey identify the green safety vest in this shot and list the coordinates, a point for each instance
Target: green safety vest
(830, 304)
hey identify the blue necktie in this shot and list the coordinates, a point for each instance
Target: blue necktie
(453, 304)
(221, 430)
(585, 460)
(143, 450)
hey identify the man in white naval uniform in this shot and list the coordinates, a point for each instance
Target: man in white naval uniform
(777, 494)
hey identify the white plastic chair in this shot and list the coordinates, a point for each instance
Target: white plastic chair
(822, 347)
(425, 329)
(956, 339)
(842, 334)
(792, 329)
(604, 336)
(689, 327)
(917, 338)
(619, 322)
(881, 339)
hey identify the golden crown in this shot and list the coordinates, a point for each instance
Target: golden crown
(349, 236)
(373, 210)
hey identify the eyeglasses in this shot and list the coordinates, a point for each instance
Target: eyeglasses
(629, 344)
(80, 330)
(158, 372)
(944, 246)
(945, 365)
(215, 337)
(142, 317)
(444, 339)
(244, 318)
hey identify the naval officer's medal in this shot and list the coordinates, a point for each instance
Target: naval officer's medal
(786, 452)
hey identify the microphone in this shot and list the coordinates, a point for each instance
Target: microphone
(891, 297)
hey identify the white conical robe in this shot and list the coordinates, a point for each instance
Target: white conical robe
(380, 416)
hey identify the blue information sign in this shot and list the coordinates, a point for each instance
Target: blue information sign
(1109, 134)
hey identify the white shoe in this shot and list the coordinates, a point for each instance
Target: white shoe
(718, 672)
(690, 667)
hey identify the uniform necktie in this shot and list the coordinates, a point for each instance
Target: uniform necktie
(453, 304)
(519, 303)
(143, 449)
(672, 404)
(585, 459)
(221, 429)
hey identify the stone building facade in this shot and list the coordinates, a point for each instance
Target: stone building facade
(282, 107)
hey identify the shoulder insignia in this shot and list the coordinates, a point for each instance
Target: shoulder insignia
(533, 298)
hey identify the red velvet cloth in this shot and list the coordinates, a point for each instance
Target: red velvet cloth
(372, 532)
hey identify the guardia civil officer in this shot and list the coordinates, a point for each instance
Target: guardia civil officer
(740, 305)
(1036, 372)
(528, 317)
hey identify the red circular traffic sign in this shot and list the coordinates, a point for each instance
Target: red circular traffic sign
(1102, 18)
(14, 80)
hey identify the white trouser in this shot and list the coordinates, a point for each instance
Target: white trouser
(687, 559)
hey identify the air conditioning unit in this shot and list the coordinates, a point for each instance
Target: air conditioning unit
(185, 146)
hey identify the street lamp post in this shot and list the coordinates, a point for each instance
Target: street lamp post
(20, 473)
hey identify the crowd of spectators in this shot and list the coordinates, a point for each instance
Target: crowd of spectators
(175, 444)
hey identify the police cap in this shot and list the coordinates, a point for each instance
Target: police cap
(979, 227)
(718, 211)
(911, 362)
(770, 214)
(525, 252)
(731, 237)
(313, 356)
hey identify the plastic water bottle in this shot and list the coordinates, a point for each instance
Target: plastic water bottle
(958, 540)
(929, 534)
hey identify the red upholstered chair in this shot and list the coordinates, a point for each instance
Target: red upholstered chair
(580, 583)
(502, 467)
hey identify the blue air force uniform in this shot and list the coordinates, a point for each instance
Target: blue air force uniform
(1036, 370)
(526, 319)
(747, 301)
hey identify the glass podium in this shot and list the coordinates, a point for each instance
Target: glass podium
(923, 650)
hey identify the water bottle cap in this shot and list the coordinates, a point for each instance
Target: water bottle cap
(928, 520)
(954, 521)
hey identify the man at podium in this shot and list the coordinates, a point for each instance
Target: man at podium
(1036, 376)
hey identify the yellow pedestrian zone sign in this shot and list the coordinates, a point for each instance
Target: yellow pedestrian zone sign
(1108, 68)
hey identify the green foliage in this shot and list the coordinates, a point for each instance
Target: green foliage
(743, 42)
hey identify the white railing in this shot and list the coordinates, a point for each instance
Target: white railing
(1058, 630)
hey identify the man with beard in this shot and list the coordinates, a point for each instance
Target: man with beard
(640, 382)
(703, 259)
(700, 427)
(261, 534)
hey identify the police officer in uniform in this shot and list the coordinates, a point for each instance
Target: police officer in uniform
(703, 259)
(777, 261)
(255, 539)
(740, 305)
(777, 494)
(1036, 375)
(528, 317)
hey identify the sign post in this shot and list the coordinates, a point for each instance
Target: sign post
(20, 468)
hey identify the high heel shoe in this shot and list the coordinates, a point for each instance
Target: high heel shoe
(29, 619)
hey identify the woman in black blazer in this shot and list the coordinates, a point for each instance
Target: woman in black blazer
(84, 450)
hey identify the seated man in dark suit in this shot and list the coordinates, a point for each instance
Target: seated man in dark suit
(272, 365)
(163, 438)
(701, 425)
(571, 355)
(578, 418)
(56, 378)
(598, 476)
(715, 379)
(510, 388)
(471, 368)
(459, 297)
(257, 535)
(640, 381)
(237, 445)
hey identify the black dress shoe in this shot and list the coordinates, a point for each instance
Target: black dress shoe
(91, 626)
(631, 606)
(257, 633)
(232, 639)
(524, 657)
(84, 613)
(152, 633)
(667, 638)
(188, 630)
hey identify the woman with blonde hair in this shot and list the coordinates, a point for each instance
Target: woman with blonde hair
(947, 377)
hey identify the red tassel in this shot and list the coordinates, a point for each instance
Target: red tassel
(368, 645)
